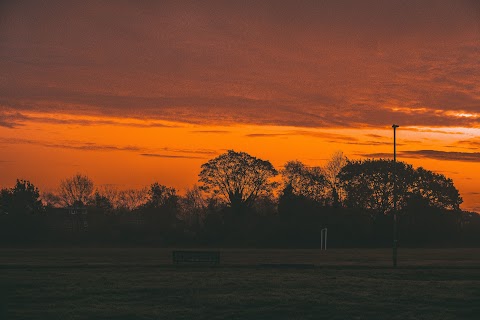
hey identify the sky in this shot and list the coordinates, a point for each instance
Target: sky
(133, 92)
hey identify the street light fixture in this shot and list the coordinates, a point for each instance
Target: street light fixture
(395, 195)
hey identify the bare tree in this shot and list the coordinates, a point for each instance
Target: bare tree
(128, 199)
(331, 171)
(111, 194)
(193, 206)
(77, 189)
(132, 199)
(51, 199)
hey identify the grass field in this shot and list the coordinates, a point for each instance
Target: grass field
(143, 284)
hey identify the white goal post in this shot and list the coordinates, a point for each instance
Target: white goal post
(323, 239)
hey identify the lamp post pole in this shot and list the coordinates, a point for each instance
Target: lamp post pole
(394, 257)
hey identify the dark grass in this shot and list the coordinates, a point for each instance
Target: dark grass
(142, 284)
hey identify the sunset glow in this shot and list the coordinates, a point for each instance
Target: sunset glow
(148, 91)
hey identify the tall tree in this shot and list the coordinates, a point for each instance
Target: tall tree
(76, 190)
(438, 190)
(193, 208)
(309, 182)
(23, 198)
(368, 184)
(331, 172)
(161, 210)
(130, 199)
(238, 178)
(193, 199)
(102, 202)
(161, 196)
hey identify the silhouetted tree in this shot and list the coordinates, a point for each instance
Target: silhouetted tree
(161, 210)
(193, 199)
(23, 198)
(161, 196)
(300, 218)
(428, 204)
(238, 178)
(306, 181)
(438, 190)
(102, 202)
(20, 220)
(51, 199)
(193, 207)
(368, 184)
(5, 196)
(330, 172)
(130, 199)
(110, 194)
(77, 189)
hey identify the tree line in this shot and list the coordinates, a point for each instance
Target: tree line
(242, 200)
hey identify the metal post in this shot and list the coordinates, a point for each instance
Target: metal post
(395, 230)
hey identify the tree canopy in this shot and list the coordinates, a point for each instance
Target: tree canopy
(76, 190)
(320, 184)
(23, 198)
(438, 190)
(331, 171)
(368, 184)
(309, 182)
(238, 178)
(160, 196)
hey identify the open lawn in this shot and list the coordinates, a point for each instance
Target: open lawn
(142, 284)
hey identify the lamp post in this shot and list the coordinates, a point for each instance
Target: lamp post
(394, 257)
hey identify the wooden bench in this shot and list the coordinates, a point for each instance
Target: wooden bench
(196, 257)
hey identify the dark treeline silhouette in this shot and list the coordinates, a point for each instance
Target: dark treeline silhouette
(245, 201)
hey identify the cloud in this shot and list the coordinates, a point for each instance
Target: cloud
(211, 131)
(473, 143)
(266, 135)
(69, 144)
(373, 143)
(381, 155)
(308, 64)
(334, 137)
(11, 119)
(208, 152)
(431, 154)
(159, 155)
(90, 146)
(7, 124)
(98, 122)
(328, 136)
(429, 130)
(84, 146)
(325, 135)
(444, 155)
(376, 136)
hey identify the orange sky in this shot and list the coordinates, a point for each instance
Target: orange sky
(136, 92)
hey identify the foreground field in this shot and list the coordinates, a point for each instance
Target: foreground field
(142, 284)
